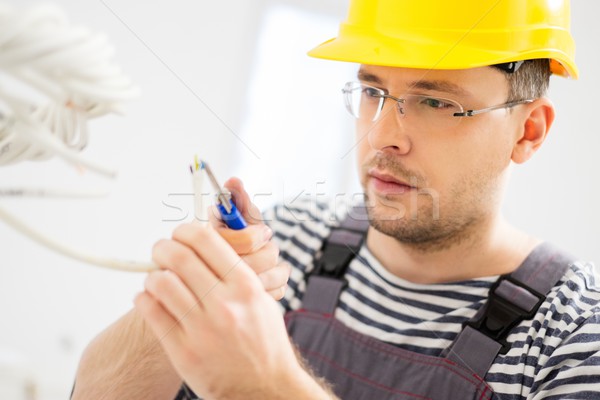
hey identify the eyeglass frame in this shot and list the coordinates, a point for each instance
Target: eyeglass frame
(467, 113)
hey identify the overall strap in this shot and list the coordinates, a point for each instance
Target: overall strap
(513, 298)
(343, 244)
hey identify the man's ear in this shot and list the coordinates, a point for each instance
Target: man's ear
(539, 118)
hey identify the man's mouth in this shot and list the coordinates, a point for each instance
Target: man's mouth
(387, 184)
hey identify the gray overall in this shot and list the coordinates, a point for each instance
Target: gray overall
(362, 367)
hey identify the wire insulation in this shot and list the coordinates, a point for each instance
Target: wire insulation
(54, 77)
(32, 233)
(64, 76)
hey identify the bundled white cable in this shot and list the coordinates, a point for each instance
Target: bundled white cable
(54, 77)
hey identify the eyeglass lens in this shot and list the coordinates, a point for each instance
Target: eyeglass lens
(366, 102)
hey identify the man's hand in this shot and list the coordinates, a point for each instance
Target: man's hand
(212, 309)
(127, 360)
(222, 332)
(253, 243)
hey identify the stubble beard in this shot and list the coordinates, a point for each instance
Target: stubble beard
(427, 222)
(424, 229)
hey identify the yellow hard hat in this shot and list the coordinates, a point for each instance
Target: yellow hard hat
(459, 34)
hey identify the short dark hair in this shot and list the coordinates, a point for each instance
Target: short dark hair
(530, 81)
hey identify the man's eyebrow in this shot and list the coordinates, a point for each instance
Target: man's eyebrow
(440, 86)
(368, 77)
(437, 85)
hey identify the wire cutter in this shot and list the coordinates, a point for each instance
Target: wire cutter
(229, 212)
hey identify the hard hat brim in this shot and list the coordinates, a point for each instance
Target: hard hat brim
(422, 54)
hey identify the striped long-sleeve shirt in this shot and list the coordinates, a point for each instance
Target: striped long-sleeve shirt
(555, 355)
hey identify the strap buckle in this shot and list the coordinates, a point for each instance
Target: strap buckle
(338, 251)
(335, 259)
(500, 314)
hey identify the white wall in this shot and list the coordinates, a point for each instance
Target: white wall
(556, 194)
(186, 53)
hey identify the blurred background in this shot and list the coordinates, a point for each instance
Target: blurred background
(229, 80)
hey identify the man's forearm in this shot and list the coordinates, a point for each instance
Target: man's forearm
(125, 362)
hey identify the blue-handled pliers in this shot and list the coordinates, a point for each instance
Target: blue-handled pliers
(229, 212)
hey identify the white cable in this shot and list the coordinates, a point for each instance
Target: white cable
(122, 265)
(39, 192)
(53, 78)
(200, 208)
(71, 78)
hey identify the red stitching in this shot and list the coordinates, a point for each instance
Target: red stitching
(489, 396)
(538, 270)
(383, 347)
(515, 291)
(368, 341)
(360, 377)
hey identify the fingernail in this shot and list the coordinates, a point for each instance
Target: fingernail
(268, 233)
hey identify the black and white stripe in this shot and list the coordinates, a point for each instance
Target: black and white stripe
(554, 356)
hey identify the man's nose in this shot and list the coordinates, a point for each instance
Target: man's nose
(389, 131)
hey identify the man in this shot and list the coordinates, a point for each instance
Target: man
(447, 97)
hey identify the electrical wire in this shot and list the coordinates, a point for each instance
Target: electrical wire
(38, 192)
(70, 77)
(200, 207)
(45, 240)
(64, 76)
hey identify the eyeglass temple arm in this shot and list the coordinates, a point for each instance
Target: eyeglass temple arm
(470, 113)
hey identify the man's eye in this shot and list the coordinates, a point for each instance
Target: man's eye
(370, 92)
(436, 103)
